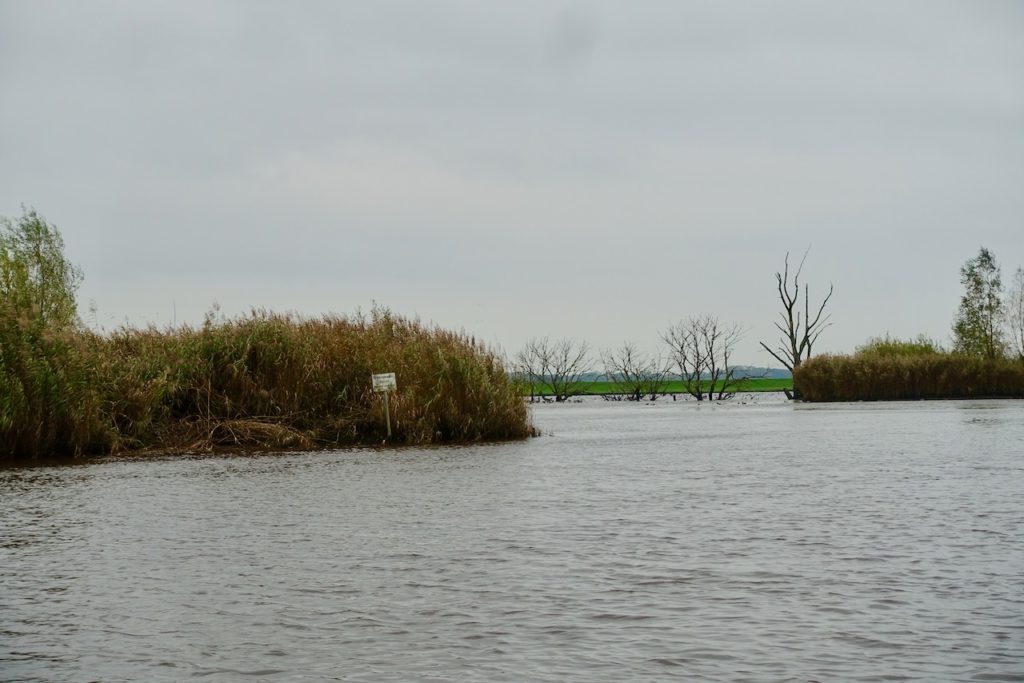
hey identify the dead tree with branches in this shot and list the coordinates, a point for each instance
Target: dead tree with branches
(636, 373)
(719, 340)
(554, 369)
(800, 330)
(700, 348)
(687, 354)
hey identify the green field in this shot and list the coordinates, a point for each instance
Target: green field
(676, 387)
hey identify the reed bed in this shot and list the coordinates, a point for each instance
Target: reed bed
(262, 381)
(901, 376)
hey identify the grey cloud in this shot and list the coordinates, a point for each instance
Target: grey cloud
(261, 153)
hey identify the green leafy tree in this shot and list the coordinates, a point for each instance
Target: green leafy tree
(43, 381)
(978, 328)
(36, 281)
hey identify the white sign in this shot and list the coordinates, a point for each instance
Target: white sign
(385, 382)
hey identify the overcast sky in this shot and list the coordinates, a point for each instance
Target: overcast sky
(520, 169)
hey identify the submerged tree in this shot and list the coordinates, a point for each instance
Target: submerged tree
(978, 328)
(701, 348)
(800, 329)
(719, 341)
(636, 373)
(1015, 313)
(687, 353)
(554, 368)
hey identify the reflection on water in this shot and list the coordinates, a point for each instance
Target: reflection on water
(752, 540)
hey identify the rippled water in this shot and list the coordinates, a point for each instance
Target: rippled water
(746, 541)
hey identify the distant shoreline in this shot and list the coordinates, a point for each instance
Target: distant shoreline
(670, 387)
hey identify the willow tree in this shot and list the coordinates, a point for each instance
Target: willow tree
(800, 323)
(42, 382)
(37, 282)
(978, 328)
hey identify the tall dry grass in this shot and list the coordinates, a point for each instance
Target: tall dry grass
(48, 403)
(904, 376)
(261, 381)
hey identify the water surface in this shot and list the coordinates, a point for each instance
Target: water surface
(748, 541)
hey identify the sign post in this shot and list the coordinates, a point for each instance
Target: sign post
(385, 383)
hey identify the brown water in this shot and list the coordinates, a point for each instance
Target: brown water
(751, 541)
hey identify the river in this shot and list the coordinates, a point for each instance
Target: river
(753, 540)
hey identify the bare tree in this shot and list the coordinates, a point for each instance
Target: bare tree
(719, 341)
(701, 348)
(1015, 313)
(554, 368)
(526, 370)
(687, 354)
(636, 373)
(799, 329)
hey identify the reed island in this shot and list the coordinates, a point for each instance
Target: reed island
(263, 381)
